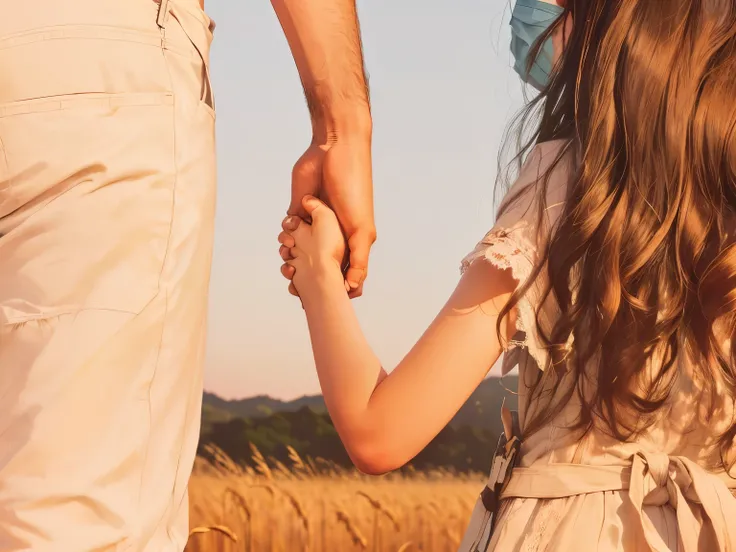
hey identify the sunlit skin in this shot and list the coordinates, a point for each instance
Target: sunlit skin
(324, 38)
(336, 166)
(384, 420)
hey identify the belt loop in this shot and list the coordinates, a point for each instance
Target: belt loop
(163, 8)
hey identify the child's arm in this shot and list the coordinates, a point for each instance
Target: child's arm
(384, 421)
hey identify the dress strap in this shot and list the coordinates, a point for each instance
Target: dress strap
(504, 460)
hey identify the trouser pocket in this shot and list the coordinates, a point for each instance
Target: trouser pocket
(89, 207)
(188, 32)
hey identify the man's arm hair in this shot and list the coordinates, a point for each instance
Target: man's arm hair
(324, 37)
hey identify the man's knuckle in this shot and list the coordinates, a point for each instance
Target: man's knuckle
(304, 168)
(361, 236)
(368, 233)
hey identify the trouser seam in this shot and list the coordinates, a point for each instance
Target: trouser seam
(161, 19)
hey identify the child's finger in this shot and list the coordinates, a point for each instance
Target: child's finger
(285, 253)
(286, 239)
(287, 271)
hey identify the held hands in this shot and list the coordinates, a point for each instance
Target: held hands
(311, 250)
(336, 168)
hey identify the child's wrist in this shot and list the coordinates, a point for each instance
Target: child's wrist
(323, 276)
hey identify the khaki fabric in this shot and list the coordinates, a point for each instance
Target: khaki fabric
(107, 196)
(662, 492)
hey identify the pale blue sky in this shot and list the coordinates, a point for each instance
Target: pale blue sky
(443, 92)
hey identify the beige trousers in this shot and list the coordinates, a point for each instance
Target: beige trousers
(107, 195)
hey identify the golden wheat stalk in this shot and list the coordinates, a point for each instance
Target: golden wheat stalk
(239, 500)
(222, 462)
(319, 460)
(282, 469)
(298, 509)
(260, 462)
(353, 531)
(380, 507)
(217, 528)
(224, 457)
(267, 486)
(216, 456)
(244, 512)
(404, 547)
(295, 458)
(299, 464)
(312, 466)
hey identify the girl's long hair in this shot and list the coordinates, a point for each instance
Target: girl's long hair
(642, 261)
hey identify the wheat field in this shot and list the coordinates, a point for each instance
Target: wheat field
(313, 505)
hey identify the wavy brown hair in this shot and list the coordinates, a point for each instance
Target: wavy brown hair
(643, 258)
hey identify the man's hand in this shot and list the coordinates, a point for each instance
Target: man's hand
(324, 37)
(340, 175)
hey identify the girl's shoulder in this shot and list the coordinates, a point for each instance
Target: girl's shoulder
(544, 177)
(525, 219)
(532, 205)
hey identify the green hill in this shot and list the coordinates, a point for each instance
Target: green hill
(271, 424)
(262, 405)
(481, 410)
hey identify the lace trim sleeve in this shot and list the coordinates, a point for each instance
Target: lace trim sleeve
(506, 253)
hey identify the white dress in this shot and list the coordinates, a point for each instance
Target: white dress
(597, 493)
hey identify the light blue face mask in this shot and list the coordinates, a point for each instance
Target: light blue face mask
(529, 20)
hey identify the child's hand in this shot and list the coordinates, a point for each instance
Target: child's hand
(314, 248)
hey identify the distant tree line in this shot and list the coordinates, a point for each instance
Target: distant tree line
(312, 435)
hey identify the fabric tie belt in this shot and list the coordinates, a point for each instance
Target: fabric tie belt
(653, 479)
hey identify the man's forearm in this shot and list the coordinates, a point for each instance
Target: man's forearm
(324, 37)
